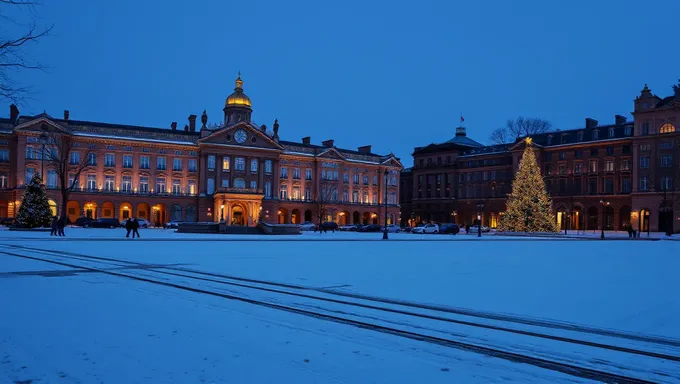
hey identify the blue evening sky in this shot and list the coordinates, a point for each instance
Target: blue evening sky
(394, 74)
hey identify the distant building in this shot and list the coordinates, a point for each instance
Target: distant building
(236, 171)
(615, 175)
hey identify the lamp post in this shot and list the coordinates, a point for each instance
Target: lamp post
(385, 227)
(43, 141)
(222, 212)
(454, 214)
(604, 204)
(480, 208)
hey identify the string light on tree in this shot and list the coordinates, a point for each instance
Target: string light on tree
(528, 206)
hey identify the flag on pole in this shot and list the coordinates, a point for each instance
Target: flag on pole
(462, 118)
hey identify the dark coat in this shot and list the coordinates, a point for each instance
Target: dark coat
(129, 224)
(55, 222)
(135, 224)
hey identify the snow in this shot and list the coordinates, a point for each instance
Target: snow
(91, 327)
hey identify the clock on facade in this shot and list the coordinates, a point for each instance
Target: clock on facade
(240, 136)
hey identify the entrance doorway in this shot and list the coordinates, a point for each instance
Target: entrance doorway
(91, 210)
(644, 220)
(237, 215)
(666, 220)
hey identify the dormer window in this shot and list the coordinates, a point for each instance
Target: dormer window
(596, 134)
(549, 139)
(611, 132)
(579, 136)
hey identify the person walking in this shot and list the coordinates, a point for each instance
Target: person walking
(128, 227)
(61, 223)
(135, 228)
(54, 226)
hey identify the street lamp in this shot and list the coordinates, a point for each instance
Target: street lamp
(454, 214)
(43, 141)
(480, 208)
(604, 204)
(222, 212)
(385, 227)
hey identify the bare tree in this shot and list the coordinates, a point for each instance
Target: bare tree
(13, 58)
(667, 187)
(326, 194)
(520, 127)
(64, 157)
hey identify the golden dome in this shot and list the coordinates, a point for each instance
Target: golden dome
(238, 97)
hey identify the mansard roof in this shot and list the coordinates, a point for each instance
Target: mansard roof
(292, 147)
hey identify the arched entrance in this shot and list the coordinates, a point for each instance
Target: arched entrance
(158, 214)
(90, 210)
(176, 212)
(366, 218)
(624, 218)
(191, 213)
(644, 220)
(577, 219)
(125, 211)
(53, 207)
(144, 211)
(308, 215)
(283, 216)
(344, 218)
(374, 218)
(238, 215)
(592, 218)
(72, 210)
(390, 218)
(295, 216)
(356, 217)
(107, 210)
(609, 218)
(562, 218)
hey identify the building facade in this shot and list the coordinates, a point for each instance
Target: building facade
(612, 176)
(234, 171)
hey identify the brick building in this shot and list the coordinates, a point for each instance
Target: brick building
(613, 175)
(236, 171)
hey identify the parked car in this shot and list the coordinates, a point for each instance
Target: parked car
(427, 228)
(173, 224)
(453, 229)
(7, 221)
(83, 221)
(370, 228)
(328, 226)
(406, 229)
(104, 223)
(475, 229)
(348, 227)
(307, 226)
(392, 228)
(143, 223)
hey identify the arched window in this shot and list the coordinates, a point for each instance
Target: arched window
(667, 128)
(176, 212)
(239, 182)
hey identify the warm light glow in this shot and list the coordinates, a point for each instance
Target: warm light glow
(634, 214)
(342, 213)
(222, 206)
(374, 215)
(279, 212)
(528, 140)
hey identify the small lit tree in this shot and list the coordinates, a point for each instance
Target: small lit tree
(35, 208)
(528, 208)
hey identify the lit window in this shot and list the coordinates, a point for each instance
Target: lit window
(667, 128)
(144, 184)
(644, 161)
(160, 184)
(192, 187)
(126, 184)
(667, 160)
(109, 182)
(609, 166)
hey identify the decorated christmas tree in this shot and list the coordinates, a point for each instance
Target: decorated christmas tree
(35, 208)
(528, 208)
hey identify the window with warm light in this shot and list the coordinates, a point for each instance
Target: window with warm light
(160, 184)
(176, 186)
(92, 182)
(109, 182)
(143, 184)
(126, 184)
(667, 128)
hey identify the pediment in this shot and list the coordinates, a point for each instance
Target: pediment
(331, 153)
(392, 161)
(254, 137)
(40, 123)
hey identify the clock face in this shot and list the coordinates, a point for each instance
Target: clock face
(240, 136)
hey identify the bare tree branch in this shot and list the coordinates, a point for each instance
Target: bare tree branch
(520, 127)
(499, 136)
(325, 195)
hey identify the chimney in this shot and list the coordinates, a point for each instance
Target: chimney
(365, 149)
(173, 125)
(460, 131)
(13, 114)
(192, 123)
(590, 123)
(306, 140)
(66, 114)
(328, 143)
(186, 128)
(620, 120)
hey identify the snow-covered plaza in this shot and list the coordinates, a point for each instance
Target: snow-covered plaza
(94, 307)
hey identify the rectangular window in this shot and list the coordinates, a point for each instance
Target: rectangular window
(296, 193)
(610, 151)
(253, 184)
(644, 161)
(268, 167)
(144, 162)
(563, 155)
(345, 196)
(73, 182)
(283, 193)
(225, 183)
(51, 178)
(29, 153)
(645, 129)
(666, 183)
(365, 180)
(226, 164)
(625, 185)
(191, 187)
(577, 168)
(596, 134)
(253, 165)
(345, 178)
(74, 158)
(192, 165)
(644, 183)
(127, 161)
(267, 189)
(609, 166)
(92, 182)
(160, 163)
(177, 164)
(176, 187)
(562, 169)
(160, 185)
(592, 186)
(143, 184)
(211, 163)
(592, 166)
(355, 178)
(109, 160)
(578, 154)
(611, 132)
(609, 185)
(625, 149)
(3, 181)
(284, 173)
(323, 175)
(109, 182)
(296, 173)
(645, 147)
(485, 175)
(240, 164)
(628, 130)
(547, 156)
(126, 184)
(210, 187)
(666, 145)
(308, 194)
(625, 165)
(548, 169)
(579, 136)
(593, 152)
(577, 186)
(667, 160)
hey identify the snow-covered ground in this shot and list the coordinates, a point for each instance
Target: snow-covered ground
(90, 327)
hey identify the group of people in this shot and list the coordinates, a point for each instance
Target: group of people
(58, 224)
(132, 225)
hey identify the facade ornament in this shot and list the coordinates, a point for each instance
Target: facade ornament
(204, 119)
